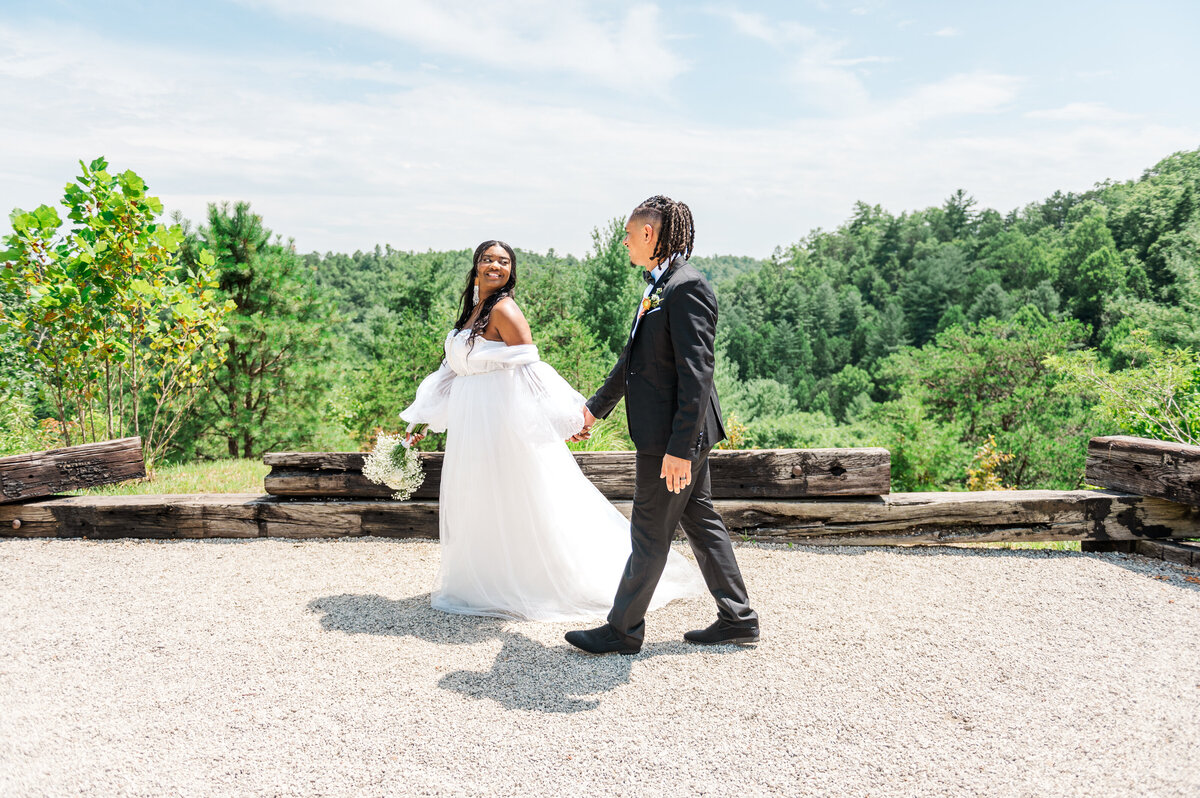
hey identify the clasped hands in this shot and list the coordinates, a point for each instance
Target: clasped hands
(588, 422)
(677, 471)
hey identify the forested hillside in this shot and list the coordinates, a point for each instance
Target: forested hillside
(982, 348)
(931, 330)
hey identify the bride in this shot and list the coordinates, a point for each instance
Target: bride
(523, 532)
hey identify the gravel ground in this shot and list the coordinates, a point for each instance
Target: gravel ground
(275, 667)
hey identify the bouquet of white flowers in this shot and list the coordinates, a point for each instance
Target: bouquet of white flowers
(394, 463)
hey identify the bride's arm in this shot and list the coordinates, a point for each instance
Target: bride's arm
(510, 323)
(548, 402)
(553, 405)
(432, 401)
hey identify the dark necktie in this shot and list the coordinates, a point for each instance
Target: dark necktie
(648, 277)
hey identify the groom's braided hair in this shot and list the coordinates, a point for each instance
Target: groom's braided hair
(676, 231)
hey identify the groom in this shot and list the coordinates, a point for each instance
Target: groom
(665, 374)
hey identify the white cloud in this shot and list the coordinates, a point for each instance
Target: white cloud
(867, 59)
(947, 31)
(814, 61)
(975, 93)
(543, 35)
(756, 26)
(1081, 112)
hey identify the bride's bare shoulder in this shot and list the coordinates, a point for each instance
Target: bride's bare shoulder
(507, 309)
(510, 322)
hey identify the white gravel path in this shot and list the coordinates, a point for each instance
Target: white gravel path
(275, 667)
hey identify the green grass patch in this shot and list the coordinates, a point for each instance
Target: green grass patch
(217, 476)
(1053, 545)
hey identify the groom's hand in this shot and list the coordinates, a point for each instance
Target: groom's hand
(677, 472)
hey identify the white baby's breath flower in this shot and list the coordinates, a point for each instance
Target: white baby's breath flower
(395, 465)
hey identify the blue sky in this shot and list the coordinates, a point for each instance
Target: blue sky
(426, 124)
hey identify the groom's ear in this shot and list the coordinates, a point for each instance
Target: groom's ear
(646, 225)
(648, 231)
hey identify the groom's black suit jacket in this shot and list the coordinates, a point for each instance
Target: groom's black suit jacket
(665, 371)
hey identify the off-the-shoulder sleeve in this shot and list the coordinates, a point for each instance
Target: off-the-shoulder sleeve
(555, 409)
(432, 405)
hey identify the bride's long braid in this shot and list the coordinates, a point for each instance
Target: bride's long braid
(676, 231)
(468, 295)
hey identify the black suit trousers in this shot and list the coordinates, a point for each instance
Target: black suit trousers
(657, 512)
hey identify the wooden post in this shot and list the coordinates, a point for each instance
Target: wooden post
(27, 476)
(1108, 546)
(1149, 467)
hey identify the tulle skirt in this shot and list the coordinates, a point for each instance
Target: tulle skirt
(524, 534)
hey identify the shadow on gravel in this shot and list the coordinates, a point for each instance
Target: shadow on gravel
(407, 617)
(526, 674)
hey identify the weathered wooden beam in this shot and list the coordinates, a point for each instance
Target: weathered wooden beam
(766, 473)
(1176, 551)
(902, 519)
(349, 484)
(1144, 466)
(905, 519)
(215, 515)
(27, 476)
(319, 519)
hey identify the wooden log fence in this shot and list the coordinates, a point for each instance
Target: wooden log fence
(757, 473)
(899, 519)
(818, 496)
(28, 476)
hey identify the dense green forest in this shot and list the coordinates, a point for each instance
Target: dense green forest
(981, 348)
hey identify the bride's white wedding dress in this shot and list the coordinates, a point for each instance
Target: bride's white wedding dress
(523, 532)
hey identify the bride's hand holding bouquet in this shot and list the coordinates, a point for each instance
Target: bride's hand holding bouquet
(395, 463)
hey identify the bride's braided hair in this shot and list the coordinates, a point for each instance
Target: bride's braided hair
(676, 232)
(468, 295)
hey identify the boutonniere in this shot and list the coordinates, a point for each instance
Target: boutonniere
(652, 301)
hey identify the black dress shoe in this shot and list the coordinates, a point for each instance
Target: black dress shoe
(721, 633)
(601, 640)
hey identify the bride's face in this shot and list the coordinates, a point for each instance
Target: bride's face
(493, 269)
